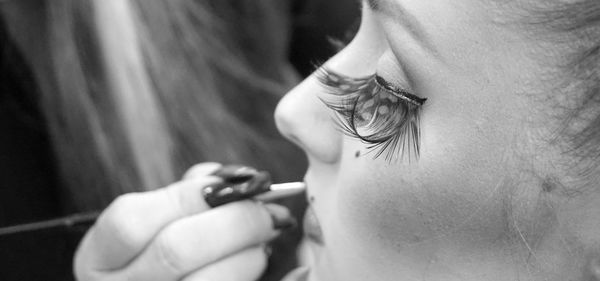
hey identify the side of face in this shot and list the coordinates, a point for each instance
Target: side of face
(473, 206)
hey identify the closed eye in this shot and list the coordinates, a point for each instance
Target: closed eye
(383, 116)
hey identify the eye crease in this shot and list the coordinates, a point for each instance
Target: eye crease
(382, 115)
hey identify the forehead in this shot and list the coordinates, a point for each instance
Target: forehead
(423, 18)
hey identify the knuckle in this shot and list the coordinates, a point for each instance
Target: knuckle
(178, 196)
(194, 168)
(123, 204)
(177, 199)
(121, 220)
(186, 197)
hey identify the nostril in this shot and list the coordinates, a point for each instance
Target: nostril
(303, 119)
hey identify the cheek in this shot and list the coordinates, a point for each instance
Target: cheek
(393, 208)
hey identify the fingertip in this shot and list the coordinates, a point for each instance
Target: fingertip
(281, 217)
(187, 196)
(202, 169)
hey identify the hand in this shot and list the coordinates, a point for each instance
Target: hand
(172, 234)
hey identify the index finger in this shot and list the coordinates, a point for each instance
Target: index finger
(125, 228)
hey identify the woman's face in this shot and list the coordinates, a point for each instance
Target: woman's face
(473, 205)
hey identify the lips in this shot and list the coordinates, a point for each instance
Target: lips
(312, 228)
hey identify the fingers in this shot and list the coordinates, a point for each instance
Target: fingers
(132, 220)
(168, 233)
(243, 266)
(298, 274)
(193, 242)
(202, 169)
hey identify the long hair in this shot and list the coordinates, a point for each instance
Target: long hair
(134, 92)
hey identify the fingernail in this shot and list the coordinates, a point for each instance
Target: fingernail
(281, 217)
(235, 173)
(229, 191)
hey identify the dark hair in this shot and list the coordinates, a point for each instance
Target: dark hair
(574, 29)
(581, 22)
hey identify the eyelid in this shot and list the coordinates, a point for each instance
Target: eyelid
(386, 119)
(382, 83)
(398, 92)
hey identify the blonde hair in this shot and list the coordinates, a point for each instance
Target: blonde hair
(134, 92)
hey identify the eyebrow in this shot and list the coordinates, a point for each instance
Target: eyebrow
(396, 11)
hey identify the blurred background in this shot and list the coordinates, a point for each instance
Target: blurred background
(78, 126)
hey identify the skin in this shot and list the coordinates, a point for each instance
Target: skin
(483, 201)
(172, 234)
(486, 200)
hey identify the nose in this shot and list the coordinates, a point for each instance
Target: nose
(302, 118)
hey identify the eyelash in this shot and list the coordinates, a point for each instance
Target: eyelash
(388, 115)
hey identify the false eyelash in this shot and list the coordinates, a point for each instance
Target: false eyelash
(379, 114)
